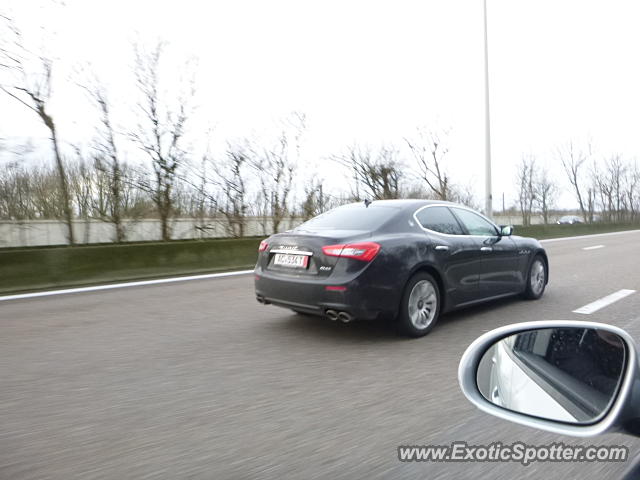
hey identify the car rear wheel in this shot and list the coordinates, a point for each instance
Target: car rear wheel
(420, 307)
(537, 279)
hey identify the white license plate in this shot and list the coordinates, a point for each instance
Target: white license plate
(292, 261)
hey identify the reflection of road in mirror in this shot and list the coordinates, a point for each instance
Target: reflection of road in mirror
(564, 374)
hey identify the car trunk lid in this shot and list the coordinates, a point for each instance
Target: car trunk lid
(299, 252)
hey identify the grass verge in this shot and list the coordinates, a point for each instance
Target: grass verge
(32, 269)
(37, 268)
(542, 232)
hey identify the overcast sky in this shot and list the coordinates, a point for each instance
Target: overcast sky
(366, 71)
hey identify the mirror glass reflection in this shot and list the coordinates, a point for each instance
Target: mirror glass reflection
(565, 374)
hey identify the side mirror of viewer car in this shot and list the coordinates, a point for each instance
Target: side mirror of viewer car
(568, 377)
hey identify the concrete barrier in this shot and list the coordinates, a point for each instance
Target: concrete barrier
(31, 233)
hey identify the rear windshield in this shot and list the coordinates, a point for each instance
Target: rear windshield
(352, 218)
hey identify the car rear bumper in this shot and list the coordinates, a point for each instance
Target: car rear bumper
(356, 297)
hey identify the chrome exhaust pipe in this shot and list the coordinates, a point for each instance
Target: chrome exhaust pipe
(262, 300)
(345, 317)
(332, 315)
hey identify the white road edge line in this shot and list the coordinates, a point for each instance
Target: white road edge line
(123, 285)
(603, 302)
(595, 247)
(578, 237)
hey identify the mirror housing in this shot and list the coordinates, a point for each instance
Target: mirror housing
(506, 230)
(623, 414)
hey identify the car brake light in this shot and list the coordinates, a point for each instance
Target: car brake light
(263, 246)
(335, 288)
(365, 251)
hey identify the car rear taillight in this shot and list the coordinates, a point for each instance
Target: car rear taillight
(263, 246)
(365, 251)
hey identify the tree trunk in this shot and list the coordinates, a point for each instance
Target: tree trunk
(116, 214)
(64, 187)
(164, 226)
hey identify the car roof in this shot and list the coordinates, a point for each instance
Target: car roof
(406, 203)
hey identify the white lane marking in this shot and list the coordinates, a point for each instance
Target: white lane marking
(123, 285)
(594, 247)
(578, 237)
(603, 302)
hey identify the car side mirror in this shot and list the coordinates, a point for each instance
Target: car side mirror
(506, 230)
(568, 377)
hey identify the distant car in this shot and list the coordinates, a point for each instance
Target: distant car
(405, 259)
(569, 220)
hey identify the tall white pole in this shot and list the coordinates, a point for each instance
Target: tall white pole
(488, 207)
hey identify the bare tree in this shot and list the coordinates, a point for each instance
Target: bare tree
(137, 203)
(33, 90)
(276, 181)
(261, 208)
(572, 160)
(107, 163)
(429, 149)
(546, 191)
(81, 186)
(16, 193)
(48, 200)
(378, 174)
(232, 179)
(631, 190)
(464, 194)
(315, 201)
(526, 189)
(617, 172)
(603, 191)
(220, 188)
(275, 168)
(616, 183)
(161, 132)
(205, 201)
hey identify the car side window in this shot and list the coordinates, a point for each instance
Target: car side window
(439, 219)
(475, 224)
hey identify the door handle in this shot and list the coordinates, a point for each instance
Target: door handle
(442, 248)
(486, 249)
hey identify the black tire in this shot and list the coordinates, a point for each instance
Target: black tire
(536, 284)
(428, 286)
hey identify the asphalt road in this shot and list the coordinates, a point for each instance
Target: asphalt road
(197, 380)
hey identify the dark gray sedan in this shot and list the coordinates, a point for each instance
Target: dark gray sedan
(409, 260)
